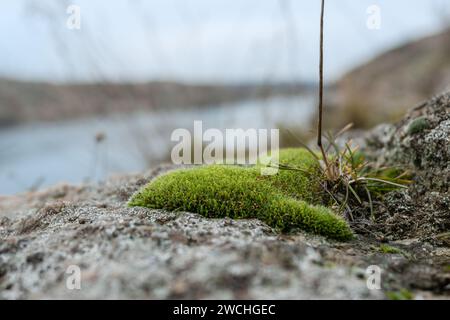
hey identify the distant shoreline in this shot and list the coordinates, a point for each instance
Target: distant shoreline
(28, 102)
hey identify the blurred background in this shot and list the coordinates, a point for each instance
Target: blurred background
(79, 105)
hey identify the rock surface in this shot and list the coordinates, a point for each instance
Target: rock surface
(131, 253)
(140, 253)
(420, 142)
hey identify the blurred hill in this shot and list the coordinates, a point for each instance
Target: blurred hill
(385, 87)
(27, 101)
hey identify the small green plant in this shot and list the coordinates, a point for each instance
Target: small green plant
(347, 179)
(285, 201)
(402, 294)
(345, 176)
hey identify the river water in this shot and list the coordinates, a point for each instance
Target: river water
(42, 154)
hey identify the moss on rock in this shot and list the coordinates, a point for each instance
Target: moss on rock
(418, 125)
(387, 249)
(284, 201)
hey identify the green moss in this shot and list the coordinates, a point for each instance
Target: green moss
(418, 125)
(402, 294)
(218, 191)
(384, 248)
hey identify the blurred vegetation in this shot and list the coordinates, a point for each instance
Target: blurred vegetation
(292, 136)
(384, 88)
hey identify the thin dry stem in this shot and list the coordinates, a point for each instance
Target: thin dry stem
(319, 126)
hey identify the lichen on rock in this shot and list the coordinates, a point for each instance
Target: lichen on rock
(424, 209)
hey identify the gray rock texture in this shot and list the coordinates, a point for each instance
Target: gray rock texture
(420, 143)
(140, 253)
(132, 253)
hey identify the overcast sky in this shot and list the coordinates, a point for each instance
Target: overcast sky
(201, 40)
